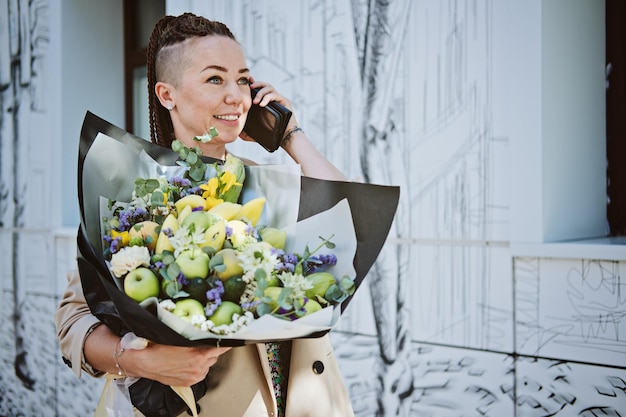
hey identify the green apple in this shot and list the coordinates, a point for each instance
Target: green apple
(200, 219)
(193, 263)
(141, 283)
(224, 313)
(187, 308)
(231, 266)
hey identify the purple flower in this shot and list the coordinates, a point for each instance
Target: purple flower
(180, 182)
(182, 279)
(189, 191)
(284, 267)
(210, 309)
(114, 243)
(328, 259)
(215, 293)
(132, 216)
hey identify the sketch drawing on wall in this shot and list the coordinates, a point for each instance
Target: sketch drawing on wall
(24, 39)
(381, 42)
(574, 311)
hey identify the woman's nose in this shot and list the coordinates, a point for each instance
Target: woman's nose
(234, 95)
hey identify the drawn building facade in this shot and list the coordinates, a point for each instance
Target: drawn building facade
(497, 292)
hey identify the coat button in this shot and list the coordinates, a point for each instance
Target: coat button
(318, 367)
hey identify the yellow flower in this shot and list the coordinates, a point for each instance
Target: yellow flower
(228, 180)
(210, 188)
(212, 202)
(125, 237)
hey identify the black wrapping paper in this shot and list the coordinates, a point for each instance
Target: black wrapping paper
(373, 208)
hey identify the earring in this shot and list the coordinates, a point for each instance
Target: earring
(169, 106)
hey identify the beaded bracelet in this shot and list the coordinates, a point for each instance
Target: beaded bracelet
(290, 132)
(116, 356)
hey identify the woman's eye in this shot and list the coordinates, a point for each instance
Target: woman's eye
(244, 81)
(214, 80)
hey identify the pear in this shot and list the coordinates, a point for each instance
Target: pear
(230, 265)
(273, 293)
(184, 213)
(237, 226)
(274, 237)
(215, 236)
(163, 241)
(227, 210)
(251, 211)
(146, 230)
(192, 200)
(311, 307)
(321, 283)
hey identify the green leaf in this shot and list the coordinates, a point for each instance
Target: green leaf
(168, 257)
(192, 158)
(173, 270)
(152, 184)
(215, 261)
(197, 173)
(263, 309)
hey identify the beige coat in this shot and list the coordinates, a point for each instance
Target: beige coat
(240, 382)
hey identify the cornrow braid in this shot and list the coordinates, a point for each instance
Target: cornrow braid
(171, 30)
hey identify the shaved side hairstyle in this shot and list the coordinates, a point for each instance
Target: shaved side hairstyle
(166, 56)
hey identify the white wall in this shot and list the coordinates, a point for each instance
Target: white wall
(90, 60)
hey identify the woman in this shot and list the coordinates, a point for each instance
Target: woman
(198, 79)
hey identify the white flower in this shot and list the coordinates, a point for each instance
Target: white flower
(239, 322)
(184, 239)
(257, 256)
(297, 282)
(241, 241)
(129, 258)
(168, 305)
(197, 319)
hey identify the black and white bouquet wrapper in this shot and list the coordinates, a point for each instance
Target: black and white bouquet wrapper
(359, 216)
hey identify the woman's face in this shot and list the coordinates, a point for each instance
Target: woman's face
(212, 90)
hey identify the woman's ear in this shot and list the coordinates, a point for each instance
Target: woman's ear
(163, 92)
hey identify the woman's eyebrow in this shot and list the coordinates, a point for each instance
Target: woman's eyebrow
(222, 69)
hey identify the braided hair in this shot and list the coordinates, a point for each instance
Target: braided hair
(168, 31)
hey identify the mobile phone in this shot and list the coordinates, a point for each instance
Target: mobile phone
(267, 125)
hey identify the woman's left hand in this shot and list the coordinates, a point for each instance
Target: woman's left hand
(266, 94)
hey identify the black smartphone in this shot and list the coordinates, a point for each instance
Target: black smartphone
(267, 124)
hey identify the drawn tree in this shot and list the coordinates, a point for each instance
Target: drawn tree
(380, 28)
(23, 44)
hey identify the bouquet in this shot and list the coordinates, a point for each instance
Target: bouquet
(186, 243)
(226, 254)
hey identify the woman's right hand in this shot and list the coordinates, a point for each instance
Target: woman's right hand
(169, 365)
